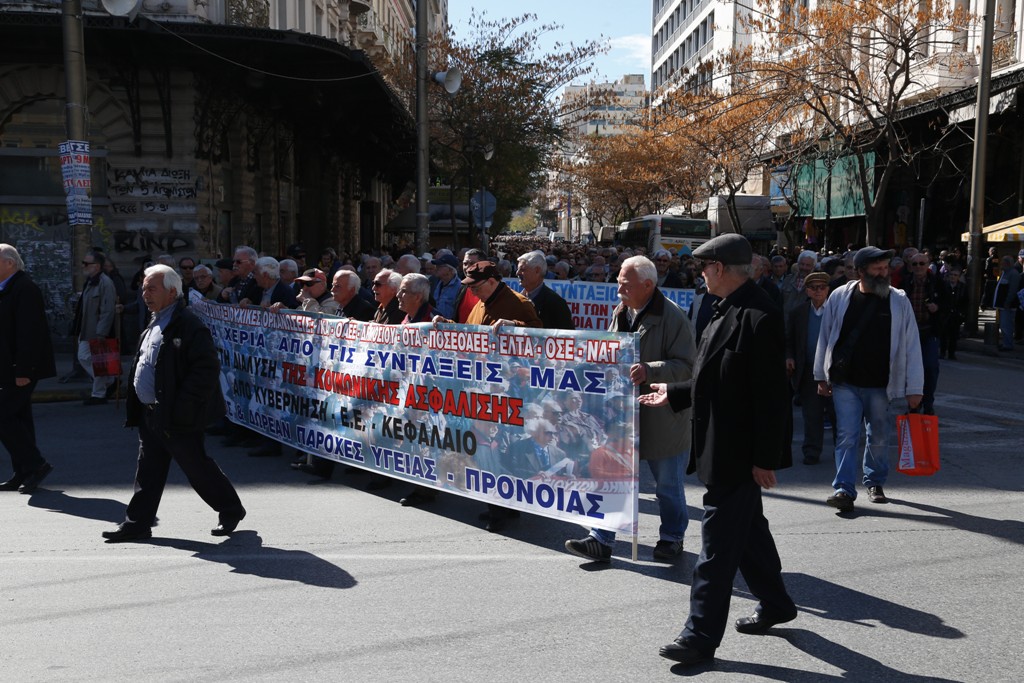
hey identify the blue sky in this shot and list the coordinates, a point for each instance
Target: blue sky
(625, 25)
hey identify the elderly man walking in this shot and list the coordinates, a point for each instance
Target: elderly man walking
(26, 356)
(173, 392)
(666, 356)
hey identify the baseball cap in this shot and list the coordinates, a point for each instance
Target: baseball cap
(871, 254)
(446, 260)
(480, 271)
(224, 264)
(313, 275)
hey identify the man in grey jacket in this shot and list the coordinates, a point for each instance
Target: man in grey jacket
(666, 356)
(869, 354)
(94, 319)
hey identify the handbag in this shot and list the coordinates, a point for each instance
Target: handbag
(106, 357)
(918, 444)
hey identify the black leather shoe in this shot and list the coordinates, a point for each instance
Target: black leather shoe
(680, 651)
(12, 484)
(228, 523)
(758, 623)
(417, 496)
(128, 531)
(33, 480)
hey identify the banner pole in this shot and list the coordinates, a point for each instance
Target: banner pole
(636, 489)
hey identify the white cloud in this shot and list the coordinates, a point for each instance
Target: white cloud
(632, 49)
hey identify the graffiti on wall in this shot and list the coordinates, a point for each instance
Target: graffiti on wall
(154, 209)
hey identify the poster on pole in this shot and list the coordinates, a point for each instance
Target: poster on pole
(542, 421)
(77, 177)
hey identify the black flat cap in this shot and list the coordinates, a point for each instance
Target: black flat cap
(730, 249)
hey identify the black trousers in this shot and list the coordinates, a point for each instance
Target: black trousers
(18, 430)
(815, 409)
(735, 536)
(156, 450)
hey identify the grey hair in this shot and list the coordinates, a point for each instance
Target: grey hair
(9, 253)
(807, 253)
(534, 259)
(171, 278)
(644, 268)
(394, 279)
(351, 278)
(249, 252)
(417, 283)
(289, 265)
(269, 266)
(409, 262)
(202, 269)
(661, 252)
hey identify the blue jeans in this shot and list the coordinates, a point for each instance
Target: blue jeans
(1006, 318)
(856, 406)
(668, 478)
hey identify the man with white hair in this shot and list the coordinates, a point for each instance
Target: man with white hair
(345, 290)
(793, 291)
(289, 272)
(26, 356)
(202, 279)
(552, 309)
(268, 277)
(407, 263)
(243, 285)
(666, 278)
(94, 319)
(666, 355)
(385, 292)
(173, 392)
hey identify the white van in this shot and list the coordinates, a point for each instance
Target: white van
(558, 237)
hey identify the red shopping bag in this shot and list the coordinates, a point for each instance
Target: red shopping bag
(106, 357)
(918, 444)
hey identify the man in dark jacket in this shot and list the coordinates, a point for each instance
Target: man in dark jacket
(26, 356)
(741, 416)
(173, 393)
(552, 309)
(929, 297)
(802, 331)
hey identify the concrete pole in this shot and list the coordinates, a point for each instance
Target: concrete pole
(74, 69)
(422, 130)
(975, 247)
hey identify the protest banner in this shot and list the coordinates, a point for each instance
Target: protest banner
(592, 303)
(542, 421)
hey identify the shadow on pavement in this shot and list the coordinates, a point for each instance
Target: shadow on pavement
(245, 553)
(101, 509)
(1007, 529)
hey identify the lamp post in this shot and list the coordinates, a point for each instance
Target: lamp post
(829, 156)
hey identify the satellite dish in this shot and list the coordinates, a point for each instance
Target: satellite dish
(123, 8)
(450, 79)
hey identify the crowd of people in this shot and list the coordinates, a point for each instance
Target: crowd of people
(846, 338)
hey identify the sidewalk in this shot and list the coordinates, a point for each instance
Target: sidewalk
(53, 390)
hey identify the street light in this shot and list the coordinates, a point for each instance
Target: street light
(829, 155)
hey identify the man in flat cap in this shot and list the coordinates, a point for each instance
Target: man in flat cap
(497, 301)
(868, 355)
(802, 330)
(741, 430)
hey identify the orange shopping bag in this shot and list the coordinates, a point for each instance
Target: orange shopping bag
(918, 444)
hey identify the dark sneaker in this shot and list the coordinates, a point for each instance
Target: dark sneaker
(841, 500)
(667, 550)
(590, 548)
(877, 495)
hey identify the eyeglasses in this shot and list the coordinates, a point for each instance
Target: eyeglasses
(310, 284)
(919, 263)
(705, 264)
(187, 267)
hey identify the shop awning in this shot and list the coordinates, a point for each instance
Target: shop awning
(1007, 231)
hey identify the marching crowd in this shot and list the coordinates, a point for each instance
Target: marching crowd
(843, 337)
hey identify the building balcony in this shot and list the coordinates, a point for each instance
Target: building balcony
(1004, 51)
(941, 73)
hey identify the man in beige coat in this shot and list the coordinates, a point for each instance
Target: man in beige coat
(666, 355)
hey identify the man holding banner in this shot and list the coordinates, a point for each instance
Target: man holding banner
(666, 355)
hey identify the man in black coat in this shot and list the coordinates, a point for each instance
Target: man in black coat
(802, 331)
(741, 429)
(173, 394)
(26, 356)
(552, 309)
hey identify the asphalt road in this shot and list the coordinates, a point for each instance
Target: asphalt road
(326, 581)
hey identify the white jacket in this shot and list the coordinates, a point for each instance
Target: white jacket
(906, 372)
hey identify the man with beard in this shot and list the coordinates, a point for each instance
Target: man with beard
(868, 355)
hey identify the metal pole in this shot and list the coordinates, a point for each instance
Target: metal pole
(74, 69)
(422, 130)
(484, 241)
(828, 204)
(975, 245)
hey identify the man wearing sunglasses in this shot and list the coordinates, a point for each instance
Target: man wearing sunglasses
(929, 297)
(94, 319)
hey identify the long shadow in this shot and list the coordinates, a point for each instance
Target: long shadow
(245, 553)
(854, 665)
(101, 509)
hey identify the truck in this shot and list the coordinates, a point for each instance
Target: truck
(755, 215)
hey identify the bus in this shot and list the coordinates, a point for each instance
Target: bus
(664, 232)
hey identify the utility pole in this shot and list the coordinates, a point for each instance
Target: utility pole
(422, 130)
(975, 246)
